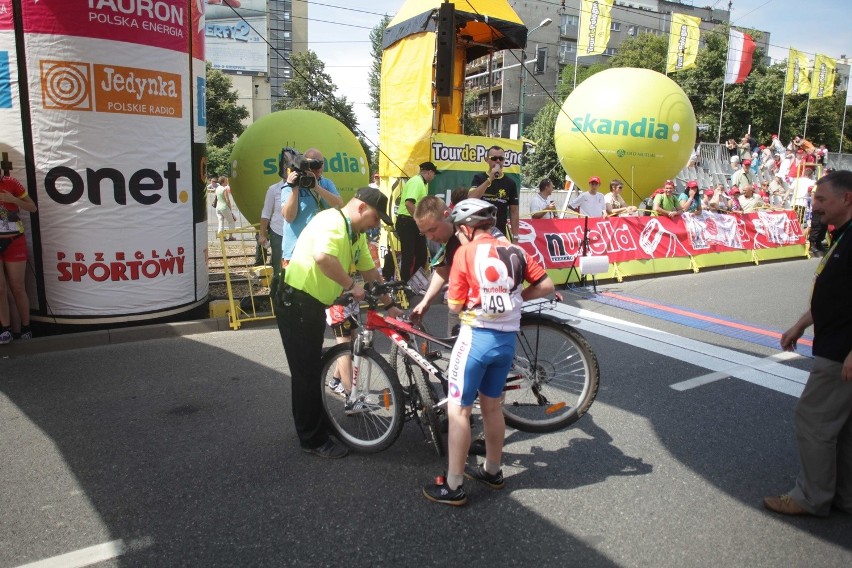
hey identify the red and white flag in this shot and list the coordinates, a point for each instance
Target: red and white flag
(740, 49)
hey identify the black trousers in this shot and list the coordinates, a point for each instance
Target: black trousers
(412, 245)
(302, 326)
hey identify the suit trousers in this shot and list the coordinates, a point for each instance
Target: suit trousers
(824, 436)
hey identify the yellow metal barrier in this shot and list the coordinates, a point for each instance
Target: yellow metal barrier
(253, 306)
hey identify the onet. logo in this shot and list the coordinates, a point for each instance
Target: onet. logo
(646, 127)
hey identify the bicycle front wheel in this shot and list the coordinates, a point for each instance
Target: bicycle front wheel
(375, 419)
(554, 379)
(422, 397)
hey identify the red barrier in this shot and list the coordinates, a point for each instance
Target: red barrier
(555, 242)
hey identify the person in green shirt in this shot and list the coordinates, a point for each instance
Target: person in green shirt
(412, 243)
(330, 249)
(667, 203)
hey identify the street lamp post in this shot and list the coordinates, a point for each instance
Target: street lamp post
(522, 104)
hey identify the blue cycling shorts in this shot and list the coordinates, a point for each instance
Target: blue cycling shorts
(480, 362)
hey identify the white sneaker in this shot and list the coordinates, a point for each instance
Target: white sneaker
(5, 337)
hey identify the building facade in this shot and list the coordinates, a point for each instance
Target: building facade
(502, 96)
(253, 45)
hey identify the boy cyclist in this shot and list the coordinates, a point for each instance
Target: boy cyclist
(486, 289)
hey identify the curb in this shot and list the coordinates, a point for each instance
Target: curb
(104, 337)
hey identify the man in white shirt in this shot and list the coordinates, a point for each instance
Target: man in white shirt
(541, 206)
(590, 203)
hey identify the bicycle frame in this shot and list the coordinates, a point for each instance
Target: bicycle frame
(400, 333)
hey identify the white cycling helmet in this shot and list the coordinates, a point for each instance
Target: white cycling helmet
(474, 213)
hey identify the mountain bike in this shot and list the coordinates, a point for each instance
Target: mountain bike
(552, 383)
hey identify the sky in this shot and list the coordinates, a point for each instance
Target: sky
(339, 33)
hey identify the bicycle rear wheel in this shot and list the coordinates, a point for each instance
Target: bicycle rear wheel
(554, 379)
(421, 395)
(376, 425)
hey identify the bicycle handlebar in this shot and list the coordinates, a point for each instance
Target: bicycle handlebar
(374, 291)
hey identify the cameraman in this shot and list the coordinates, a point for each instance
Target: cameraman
(298, 207)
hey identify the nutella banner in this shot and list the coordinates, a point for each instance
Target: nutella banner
(557, 242)
(114, 106)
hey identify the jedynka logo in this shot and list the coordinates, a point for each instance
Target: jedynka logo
(74, 85)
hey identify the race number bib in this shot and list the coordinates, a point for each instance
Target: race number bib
(495, 303)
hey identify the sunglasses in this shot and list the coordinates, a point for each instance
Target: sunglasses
(496, 158)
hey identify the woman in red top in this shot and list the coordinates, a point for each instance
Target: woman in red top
(13, 256)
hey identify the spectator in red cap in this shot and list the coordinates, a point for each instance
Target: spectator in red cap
(707, 197)
(743, 177)
(690, 199)
(776, 145)
(666, 203)
(590, 203)
(734, 203)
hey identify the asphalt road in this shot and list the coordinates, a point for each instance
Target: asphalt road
(181, 452)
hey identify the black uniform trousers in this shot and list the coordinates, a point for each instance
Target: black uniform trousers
(302, 327)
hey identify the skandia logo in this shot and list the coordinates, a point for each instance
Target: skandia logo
(646, 127)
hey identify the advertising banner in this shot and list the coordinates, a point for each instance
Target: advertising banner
(558, 243)
(234, 44)
(594, 30)
(683, 42)
(459, 158)
(110, 100)
(796, 81)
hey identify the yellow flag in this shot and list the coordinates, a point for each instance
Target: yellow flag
(594, 27)
(797, 82)
(822, 81)
(683, 42)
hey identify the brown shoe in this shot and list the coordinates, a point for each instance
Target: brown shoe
(784, 504)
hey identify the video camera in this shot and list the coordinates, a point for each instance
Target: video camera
(293, 160)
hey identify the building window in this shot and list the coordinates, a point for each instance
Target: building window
(610, 51)
(631, 30)
(540, 60)
(615, 26)
(570, 20)
(566, 51)
(286, 15)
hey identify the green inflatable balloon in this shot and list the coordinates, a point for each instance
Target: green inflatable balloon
(254, 161)
(635, 125)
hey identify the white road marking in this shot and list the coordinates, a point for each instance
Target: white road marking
(82, 557)
(712, 377)
(765, 372)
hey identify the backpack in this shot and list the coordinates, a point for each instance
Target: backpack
(647, 206)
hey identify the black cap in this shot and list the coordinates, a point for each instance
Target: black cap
(429, 166)
(375, 199)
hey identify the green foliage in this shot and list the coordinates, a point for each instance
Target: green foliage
(311, 88)
(219, 159)
(377, 36)
(647, 51)
(542, 162)
(224, 115)
(470, 125)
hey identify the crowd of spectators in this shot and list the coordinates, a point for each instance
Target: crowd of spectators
(769, 175)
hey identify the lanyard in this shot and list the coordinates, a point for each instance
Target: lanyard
(355, 252)
(827, 255)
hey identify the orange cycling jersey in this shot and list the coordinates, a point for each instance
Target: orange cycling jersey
(487, 277)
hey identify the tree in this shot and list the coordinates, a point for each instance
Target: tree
(224, 115)
(471, 126)
(645, 50)
(311, 88)
(377, 36)
(543, 161)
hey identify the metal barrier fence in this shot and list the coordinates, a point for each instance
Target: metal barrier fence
(247, 284)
